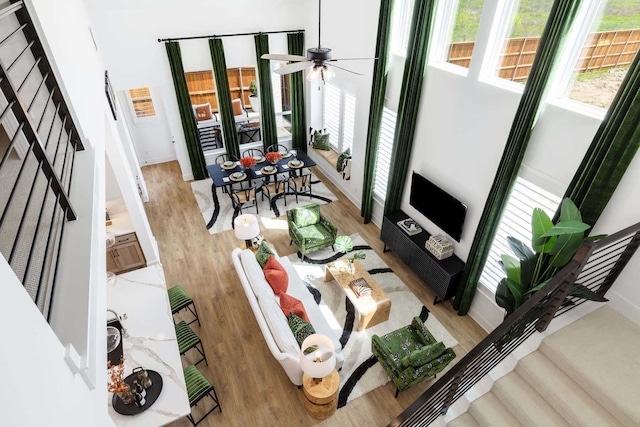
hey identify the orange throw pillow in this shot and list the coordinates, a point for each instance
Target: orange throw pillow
(290, 304)
(203, 112)
(276, 275)
(237, 107)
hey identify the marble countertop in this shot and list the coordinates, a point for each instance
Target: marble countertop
(120, 224)
(141, 295)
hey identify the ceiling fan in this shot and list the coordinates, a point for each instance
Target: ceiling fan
(317, 59)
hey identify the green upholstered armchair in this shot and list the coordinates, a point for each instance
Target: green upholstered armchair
(309, 230)
(411, 354)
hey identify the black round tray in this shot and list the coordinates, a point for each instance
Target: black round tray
(152, 395)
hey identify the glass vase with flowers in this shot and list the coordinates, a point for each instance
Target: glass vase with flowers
(116, 384)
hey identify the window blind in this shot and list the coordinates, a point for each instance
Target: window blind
(332, 113)
(383, 158)
(339, 116)
(516, 222)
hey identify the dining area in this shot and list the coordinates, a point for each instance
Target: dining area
(261, 180)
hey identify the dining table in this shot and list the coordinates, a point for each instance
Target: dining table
(223, 176)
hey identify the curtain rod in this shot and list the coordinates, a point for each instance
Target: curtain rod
(228, 35)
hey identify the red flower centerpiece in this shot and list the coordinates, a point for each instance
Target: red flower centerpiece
(273, 157)
(247, 162)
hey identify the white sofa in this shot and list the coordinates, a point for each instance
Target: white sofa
(271, 319)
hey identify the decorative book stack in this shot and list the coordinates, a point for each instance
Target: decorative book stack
(439, 246)
(409, 226)
(360, 287)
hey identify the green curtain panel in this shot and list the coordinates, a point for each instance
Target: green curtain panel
(268, 113)
(560, 19)
(189, 125)
(410, 92)
(295, 42)
(612, 149)
(227, 119)
(378, 89)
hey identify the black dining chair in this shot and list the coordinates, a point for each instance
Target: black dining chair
(280, 183)
(301, 182)
(252, 152)
(282, 149)
(244, 195)
(225, 157)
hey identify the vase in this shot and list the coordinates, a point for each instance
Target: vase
(126, 395)
(351, 268)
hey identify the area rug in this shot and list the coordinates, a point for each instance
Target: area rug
(361, 371)
(224, 219)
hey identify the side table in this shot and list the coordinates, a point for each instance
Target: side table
(321, 398)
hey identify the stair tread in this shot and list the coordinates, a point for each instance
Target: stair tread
(464, 420)
(589, 347)
(562, 393)
(488, 411)
(524, 402)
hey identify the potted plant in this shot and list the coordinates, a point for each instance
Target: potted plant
(553, 247)
(253, 98)
(344, 244)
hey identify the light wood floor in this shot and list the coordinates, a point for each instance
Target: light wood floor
(252, 387)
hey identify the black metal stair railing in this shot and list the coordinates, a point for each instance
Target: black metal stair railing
(596, 265)
(38, 145)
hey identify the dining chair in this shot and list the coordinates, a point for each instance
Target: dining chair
(244, 195)
(301, 182)
(252, 152)
(282, 149)
(225, 157)
(277, 184)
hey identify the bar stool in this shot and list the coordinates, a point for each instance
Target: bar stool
(187, 339)
(198, 387)
(179, 300)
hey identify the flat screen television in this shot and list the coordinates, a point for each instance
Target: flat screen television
(439, 206)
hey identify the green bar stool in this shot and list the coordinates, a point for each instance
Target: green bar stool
(187, 339)
(198, 387)
(179, 300)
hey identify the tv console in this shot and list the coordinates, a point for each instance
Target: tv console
(442, 276)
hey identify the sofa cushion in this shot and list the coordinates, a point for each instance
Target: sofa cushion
(306, 215)
(291, 304)
(315, 234)
(254, 274)
(426, 354)
(301, 329)
(278, 325)
(276, 275)
(263, 254)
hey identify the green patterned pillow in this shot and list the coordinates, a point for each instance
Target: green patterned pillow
(306, 215)
(321, 141)
(426, 354)
(301, 329)
(263, 253)
(341, 158)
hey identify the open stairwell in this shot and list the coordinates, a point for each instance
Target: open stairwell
(586, 374)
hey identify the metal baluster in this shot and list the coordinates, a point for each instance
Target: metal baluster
(55, 156)
(35, 64)
(15, 186)
(57, 264)
(20, 55)
(53, 122)
(35, 236)
(10, 36)
(46, 248)
(44, 79)
(11, 144)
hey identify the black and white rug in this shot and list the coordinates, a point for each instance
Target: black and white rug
(361, 371)
(224, 219)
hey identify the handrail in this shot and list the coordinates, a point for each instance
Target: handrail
(534, 315)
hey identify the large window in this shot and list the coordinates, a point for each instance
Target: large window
(401, 26)
(282, 101)
(339, 116)
(462, 32)
(383, 158)
(605, 56)
(516, 222)
(522, 38)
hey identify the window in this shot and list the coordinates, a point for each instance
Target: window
(282, 101)
(401, 26)
(605, 56)
(516, 222)
(142, 102)
(522, 39)
(339, 116)
(383, 158)
(463, 33)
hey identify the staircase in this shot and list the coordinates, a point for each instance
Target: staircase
(586, 374)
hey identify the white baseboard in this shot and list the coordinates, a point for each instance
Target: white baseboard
(156, 160)
(187, 176)
(484, 309)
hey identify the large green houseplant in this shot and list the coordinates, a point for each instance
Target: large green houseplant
(553, 247)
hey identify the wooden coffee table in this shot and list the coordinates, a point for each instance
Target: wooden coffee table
(373, 309)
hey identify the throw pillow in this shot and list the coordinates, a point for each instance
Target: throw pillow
(321, 142)
(263, 253)
(276, 275)
(237, 107)
(301, 329)
(346, 154)
(306, 215)
(290, 304)
(426, 354)
(203, 111)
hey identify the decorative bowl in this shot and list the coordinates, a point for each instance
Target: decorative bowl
(237, 175)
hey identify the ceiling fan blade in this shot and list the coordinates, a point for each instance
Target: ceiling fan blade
(283, 57)
(292, 68)
(351, 59)
(344, 69)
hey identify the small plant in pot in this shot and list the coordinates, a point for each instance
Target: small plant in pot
(553, 247)
(253, 98)
(344, 244)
